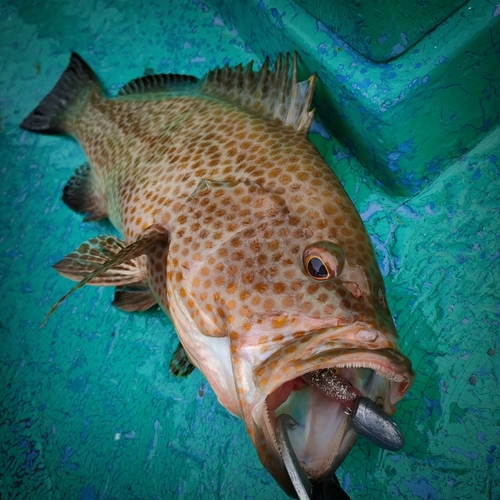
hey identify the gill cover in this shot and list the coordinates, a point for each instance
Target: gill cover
(211, 249)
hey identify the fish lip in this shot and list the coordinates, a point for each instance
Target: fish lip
(387, 362)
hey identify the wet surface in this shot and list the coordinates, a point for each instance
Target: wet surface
(88, 408)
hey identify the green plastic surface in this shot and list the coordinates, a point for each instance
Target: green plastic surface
(381, 29)
(87, 407)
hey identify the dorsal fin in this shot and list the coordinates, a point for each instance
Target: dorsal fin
(275, 93)
(158, 83)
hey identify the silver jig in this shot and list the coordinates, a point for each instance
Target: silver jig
(373, 423)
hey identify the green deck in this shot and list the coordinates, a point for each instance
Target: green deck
(87, 407)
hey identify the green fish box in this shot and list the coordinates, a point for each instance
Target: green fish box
(407, 115)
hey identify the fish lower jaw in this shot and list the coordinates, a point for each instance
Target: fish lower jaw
(324, 436)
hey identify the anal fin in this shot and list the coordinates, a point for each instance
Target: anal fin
(180, 366)
(80, 194)
(134, 298)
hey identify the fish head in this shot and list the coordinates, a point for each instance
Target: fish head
(261, 297)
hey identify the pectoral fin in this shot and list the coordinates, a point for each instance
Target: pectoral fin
(107, 262)
(95, 253)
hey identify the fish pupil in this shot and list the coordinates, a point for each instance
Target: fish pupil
(317, 268)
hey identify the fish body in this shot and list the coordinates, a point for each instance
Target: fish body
(234, 224)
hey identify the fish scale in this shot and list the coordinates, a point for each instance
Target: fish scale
(221, 198)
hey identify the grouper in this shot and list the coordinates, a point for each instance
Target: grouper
(238, 229)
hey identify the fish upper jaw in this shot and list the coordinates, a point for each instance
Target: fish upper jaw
(354, 345)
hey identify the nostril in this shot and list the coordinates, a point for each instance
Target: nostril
(368, 335)
(381, 298)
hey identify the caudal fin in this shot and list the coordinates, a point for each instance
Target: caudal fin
(69, 92)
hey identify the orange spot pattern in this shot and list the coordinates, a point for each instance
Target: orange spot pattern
(243, 196)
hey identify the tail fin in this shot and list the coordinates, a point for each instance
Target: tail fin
(48, 116)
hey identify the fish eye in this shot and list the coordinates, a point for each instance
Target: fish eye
(317, 268)
(323, 260)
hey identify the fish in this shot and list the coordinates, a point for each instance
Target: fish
(234, 224)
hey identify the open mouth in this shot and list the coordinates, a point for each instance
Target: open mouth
(327, 405)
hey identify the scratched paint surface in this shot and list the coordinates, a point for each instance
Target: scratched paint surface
(381, 29)
(87, 407)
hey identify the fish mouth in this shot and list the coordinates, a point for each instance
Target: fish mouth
(324, 435)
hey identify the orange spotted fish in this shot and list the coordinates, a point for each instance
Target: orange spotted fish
(234, 224)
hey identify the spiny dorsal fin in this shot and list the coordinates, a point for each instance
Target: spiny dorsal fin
(150, 236)
(134, 298)
(80, 194)
(66, 97)
(158, 83)
(275, 93)
(180, 366)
